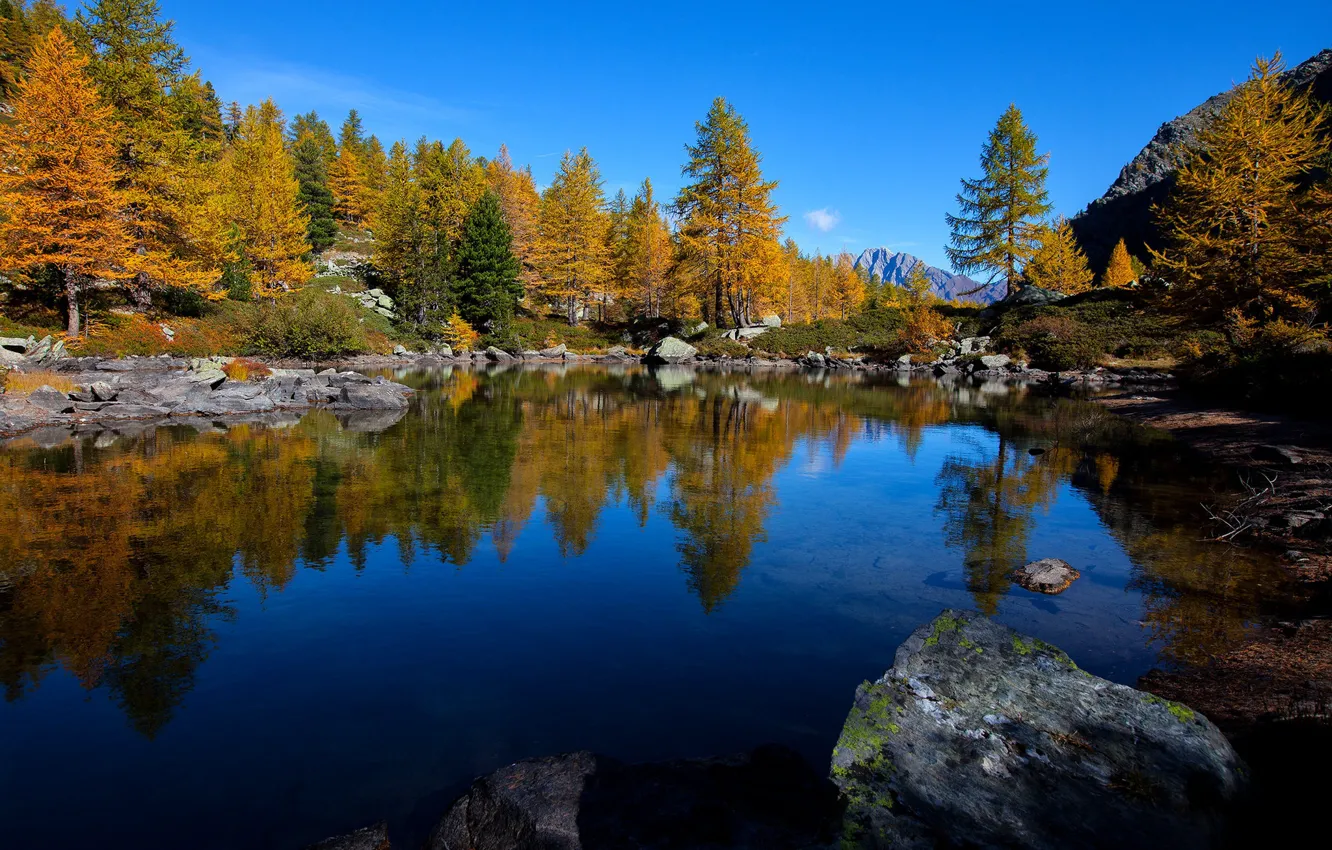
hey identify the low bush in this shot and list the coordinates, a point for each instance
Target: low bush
(716, 345)
(874, 332)
(1055, 342)
(308, 325)
(243, 369)
(179, 301)
(1083, 330)
(1274, 366)
(18, 382)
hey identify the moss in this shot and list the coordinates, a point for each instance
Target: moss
(1021, 646)
(944, 623)
(1178, 710)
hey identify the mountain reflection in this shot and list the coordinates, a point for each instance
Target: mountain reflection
(114, 559)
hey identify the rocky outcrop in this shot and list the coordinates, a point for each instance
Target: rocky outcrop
(895, 267)
(371, 838)
(1124, 211)
(769, 799)
(980, 736)
(1048, 575)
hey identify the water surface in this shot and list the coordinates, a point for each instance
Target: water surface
(263, 634)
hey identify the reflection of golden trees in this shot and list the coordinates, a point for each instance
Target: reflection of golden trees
(112, 559)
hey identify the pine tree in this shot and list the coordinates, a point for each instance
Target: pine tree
(57, 178)
(994, 231)
(316, 197)
(519, 199)
(261, 200)
(163, 140)
(1233, 222)
(730, 227)
(1120, 272)
(487, 288)
(1059, 263)
(571, 249)
(312, 125)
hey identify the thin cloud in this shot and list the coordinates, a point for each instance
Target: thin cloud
(823, 220)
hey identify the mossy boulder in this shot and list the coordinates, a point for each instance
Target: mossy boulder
(981, 736)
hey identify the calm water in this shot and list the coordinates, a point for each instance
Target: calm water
(261, 635)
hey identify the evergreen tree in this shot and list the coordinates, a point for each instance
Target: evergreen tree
(57, 178)
(730, 227)
(316, 198)
(994, 231)
(1058, 262)
(1235, 221)
(1120, 271)
(571, 250)
(310, 124)
(487, 288)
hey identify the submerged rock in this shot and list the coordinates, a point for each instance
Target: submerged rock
(980, 736)
(769, 799)
(1048, 575)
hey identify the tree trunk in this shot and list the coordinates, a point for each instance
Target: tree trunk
(142, 293)
(72, 302)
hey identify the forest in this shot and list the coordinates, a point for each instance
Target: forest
(132, 193)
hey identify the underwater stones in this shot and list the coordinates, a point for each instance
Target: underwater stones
(981, 736)
(1048, 575)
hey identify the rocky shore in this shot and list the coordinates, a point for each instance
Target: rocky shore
(977, 736)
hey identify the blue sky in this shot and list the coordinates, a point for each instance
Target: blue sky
(867, 114)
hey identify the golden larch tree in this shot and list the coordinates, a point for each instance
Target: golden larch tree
(1233, 221)
(649, 251)
(572, 254)
(519, 201)
(261, 201)
(348, 185)
(848, 287)
(1119, 272)
(1059, 263)
(57, 176)
(730, 226)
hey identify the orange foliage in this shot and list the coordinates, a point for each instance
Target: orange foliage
(243, 369)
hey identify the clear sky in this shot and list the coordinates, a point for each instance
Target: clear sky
(867, 113)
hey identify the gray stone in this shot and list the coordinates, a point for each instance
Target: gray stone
(132, 411)
(498, 355)
(903, 363)
(41, 349)
(617, 351)
(1278, 455)
(442, 350)
(1048, 575)
(981, 737)
(974, 345)
(373, 397)
(51, 399)
(738, 334)
(671, 350)
(102, 391)
(400, 351)
(385, 312)
(813, 358)
(995, 361)
(10, 358)
(772, 320)
(14, 344)
(554, 350)
(385, 302)
(370, 838)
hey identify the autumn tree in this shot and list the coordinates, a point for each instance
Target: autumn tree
(1058, 262)
(487, 288)
(519, 200)
(994, 231)
(572, 254)
(649, 253)
(848, 287)
(730, 226)
(1234, 220)
(348, 185)
(260, 198)
(617, 284)
(23, 25)
(1120, 271)
(167, 131)
(57, 176)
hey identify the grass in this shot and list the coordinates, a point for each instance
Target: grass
(25, 383)
(243, 369)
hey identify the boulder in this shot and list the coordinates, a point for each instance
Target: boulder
(10, 358)
(400, 351)
(1278, 455)
(993, 362)
(132, 411)
(617, 351)
(370, 838)
(903, 363)
(385, 312)
(770, 799)
(814, 359)
(671, 350)
(738, 334)
(50, 399)
(14, 344)
(973, 345)
(442, 350)
(1048, 575)
(498, 355)
(373, 397)
(1031, 295)
(554, 350)
(772, 320)
(979, 736)
(102, 391)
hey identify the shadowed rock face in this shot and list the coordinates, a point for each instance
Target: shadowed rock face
(582, 801)
(980, 736)
(1124, 211)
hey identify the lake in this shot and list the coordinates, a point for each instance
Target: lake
(264, 634)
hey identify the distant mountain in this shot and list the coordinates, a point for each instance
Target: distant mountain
(1125, 209)
(894, 266)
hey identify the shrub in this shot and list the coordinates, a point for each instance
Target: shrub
(1055, 342)
(243, 369)
(184, 302)
(309, 325)
(1275, 365)
(459, 335)
(718, 346)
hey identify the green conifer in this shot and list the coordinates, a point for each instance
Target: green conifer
(486, 289)
(316, 197)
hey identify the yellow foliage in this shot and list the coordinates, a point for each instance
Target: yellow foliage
(1059, 263)
(1120, 271)
(242, 369)
(459, 335)
(23, 383)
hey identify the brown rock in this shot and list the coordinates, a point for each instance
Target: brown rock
(1048, 575)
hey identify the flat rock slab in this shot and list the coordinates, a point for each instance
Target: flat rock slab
(583, 801)
(1048, 575)
(982, 737)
